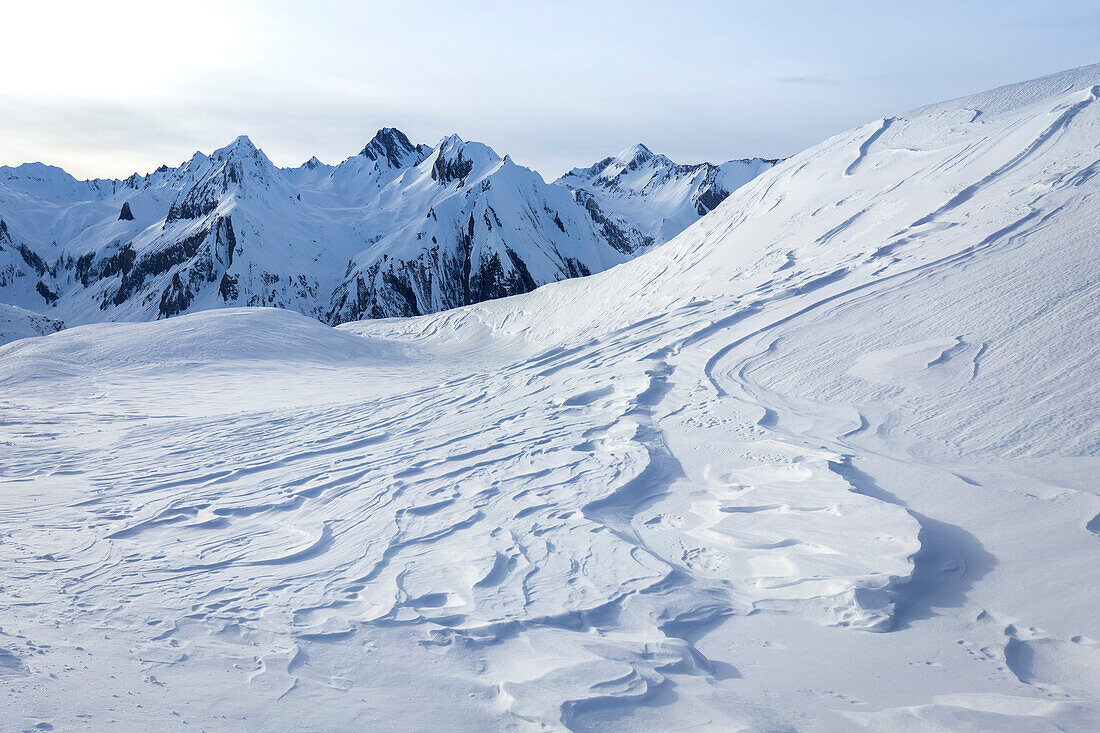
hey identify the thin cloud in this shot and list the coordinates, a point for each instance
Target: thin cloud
(808, 80)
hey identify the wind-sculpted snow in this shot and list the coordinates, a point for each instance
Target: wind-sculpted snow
(823, 462)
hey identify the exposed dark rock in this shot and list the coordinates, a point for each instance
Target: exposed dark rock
(439, 276)
(175, 298)
(196, 203)
(390, 145)
(49, 295)
(226, 235)
(137, 270)
(445, 170)
(126, 214)
(576, 268)
(529, 283)
(609, 230)
(119, 263)
(710, 198)
(83, 269)
(32, 259)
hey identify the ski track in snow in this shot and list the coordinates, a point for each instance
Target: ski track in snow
(677, 494)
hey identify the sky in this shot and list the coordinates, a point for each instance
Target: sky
(105, 89)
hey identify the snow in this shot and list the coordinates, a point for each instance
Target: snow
(653, 196)
(825, 461)
(18, 323)
(399, 229)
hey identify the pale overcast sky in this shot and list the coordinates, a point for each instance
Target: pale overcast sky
(107, 88)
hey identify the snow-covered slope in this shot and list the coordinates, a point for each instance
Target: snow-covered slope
(640, 198)
(17, 323)
(825, 461)
(399, 229)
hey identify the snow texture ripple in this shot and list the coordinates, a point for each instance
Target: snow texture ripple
(824, 461)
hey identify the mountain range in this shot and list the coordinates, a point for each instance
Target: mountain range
(400, 229)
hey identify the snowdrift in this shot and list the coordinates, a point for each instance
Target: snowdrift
(822, 462)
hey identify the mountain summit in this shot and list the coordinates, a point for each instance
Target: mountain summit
(643, 198)
(394, 147)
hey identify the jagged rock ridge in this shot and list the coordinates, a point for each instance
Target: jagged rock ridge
(639, 198)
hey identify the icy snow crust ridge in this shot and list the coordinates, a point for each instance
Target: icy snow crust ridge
(825, 461)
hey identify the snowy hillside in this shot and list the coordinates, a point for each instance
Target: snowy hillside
(398, 230)
(823, 462)
(17, 323)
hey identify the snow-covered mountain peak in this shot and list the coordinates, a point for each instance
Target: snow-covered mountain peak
(241, 158)
(394, 148)
(453, 145)
(242, 146)
(39, 176)
(48, 181)
(34, 171)
(454, 159)
(637, 157)
(633, 158)
(451, 141)
(196, 161)
(641, 198)
(239, 169)
(239, 164)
